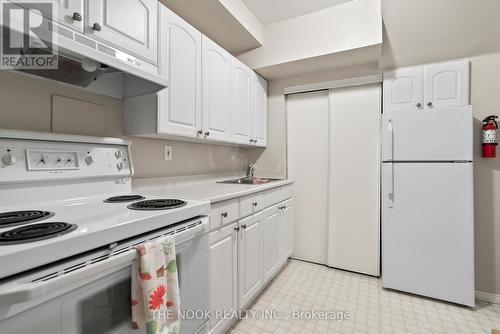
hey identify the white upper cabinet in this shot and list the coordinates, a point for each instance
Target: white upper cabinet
(179, 107)
(242, 103)
(216, 91)
(427, 87)
(70, 13)
(259, 115)
(403, 89)
(211, 96)
(446, 84)
(130, 25)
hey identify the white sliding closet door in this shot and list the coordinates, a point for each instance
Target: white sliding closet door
(308, 136)
(354, 169)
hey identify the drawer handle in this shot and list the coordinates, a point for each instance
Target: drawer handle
(254, 203)
(237, 229)
(224, 214)
(244, 226)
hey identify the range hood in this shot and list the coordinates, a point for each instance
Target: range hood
(76, 72)
(92, 65)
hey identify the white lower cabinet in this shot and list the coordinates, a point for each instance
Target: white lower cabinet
(224, 275)
(249, 259)
(285, 230)
(271, 233)
(247, 253)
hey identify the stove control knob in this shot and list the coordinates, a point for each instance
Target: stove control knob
(89, 160)
(118, 154)
(120, 165)
(9, 160)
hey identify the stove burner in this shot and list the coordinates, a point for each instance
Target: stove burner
(157, 204)
(124, 198)
(13, 218)
(35, 232)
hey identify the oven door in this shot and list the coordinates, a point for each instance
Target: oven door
(102, 305)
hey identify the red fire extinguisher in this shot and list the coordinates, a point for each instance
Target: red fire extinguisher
(489, 137)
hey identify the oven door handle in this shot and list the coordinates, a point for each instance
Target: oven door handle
(20, 293)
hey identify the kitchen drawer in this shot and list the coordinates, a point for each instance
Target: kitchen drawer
(276, 195)
(223, 213)
(251, 204)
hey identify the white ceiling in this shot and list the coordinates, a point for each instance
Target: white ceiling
(271, 11)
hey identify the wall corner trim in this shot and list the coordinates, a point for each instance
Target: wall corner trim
(488, 297)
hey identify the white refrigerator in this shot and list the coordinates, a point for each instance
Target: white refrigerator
(428, 203)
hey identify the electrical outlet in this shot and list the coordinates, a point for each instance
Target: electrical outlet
(168, 153)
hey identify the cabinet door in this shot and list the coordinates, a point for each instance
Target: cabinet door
(70, 13)
(270, 236)
(180, 104)
(249, 259)
(446, 84)
(428, 242)
(224, 275)
(216, 90)
(286, 231)
(259, 115)
(130, 25)
(403, 89)
(242, 103)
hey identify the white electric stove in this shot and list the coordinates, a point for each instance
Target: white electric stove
(68, 222)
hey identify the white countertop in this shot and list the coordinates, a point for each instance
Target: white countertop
(201, 187)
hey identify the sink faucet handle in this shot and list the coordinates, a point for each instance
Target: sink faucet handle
(250, 170)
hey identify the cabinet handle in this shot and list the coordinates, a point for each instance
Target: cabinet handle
(77, 17)
(254, 203)
(224, 214)
(207, 133)
(96, 27)
(429, 104)
(237, 229)
(200, 132)
(251, 140)
(419, 105)
(255, 141)
(244, 226)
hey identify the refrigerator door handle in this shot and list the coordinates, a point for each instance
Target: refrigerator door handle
(391, 128)
(391, 193)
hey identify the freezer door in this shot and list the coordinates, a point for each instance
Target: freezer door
(428, 230)
(437, 135)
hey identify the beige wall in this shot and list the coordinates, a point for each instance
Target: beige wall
(38, 105)
(485, 96)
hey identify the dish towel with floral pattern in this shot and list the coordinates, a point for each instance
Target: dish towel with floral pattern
(155, 287)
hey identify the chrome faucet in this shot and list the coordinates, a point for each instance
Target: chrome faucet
(250, 171)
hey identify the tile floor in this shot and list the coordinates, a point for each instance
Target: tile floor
(305, 286)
